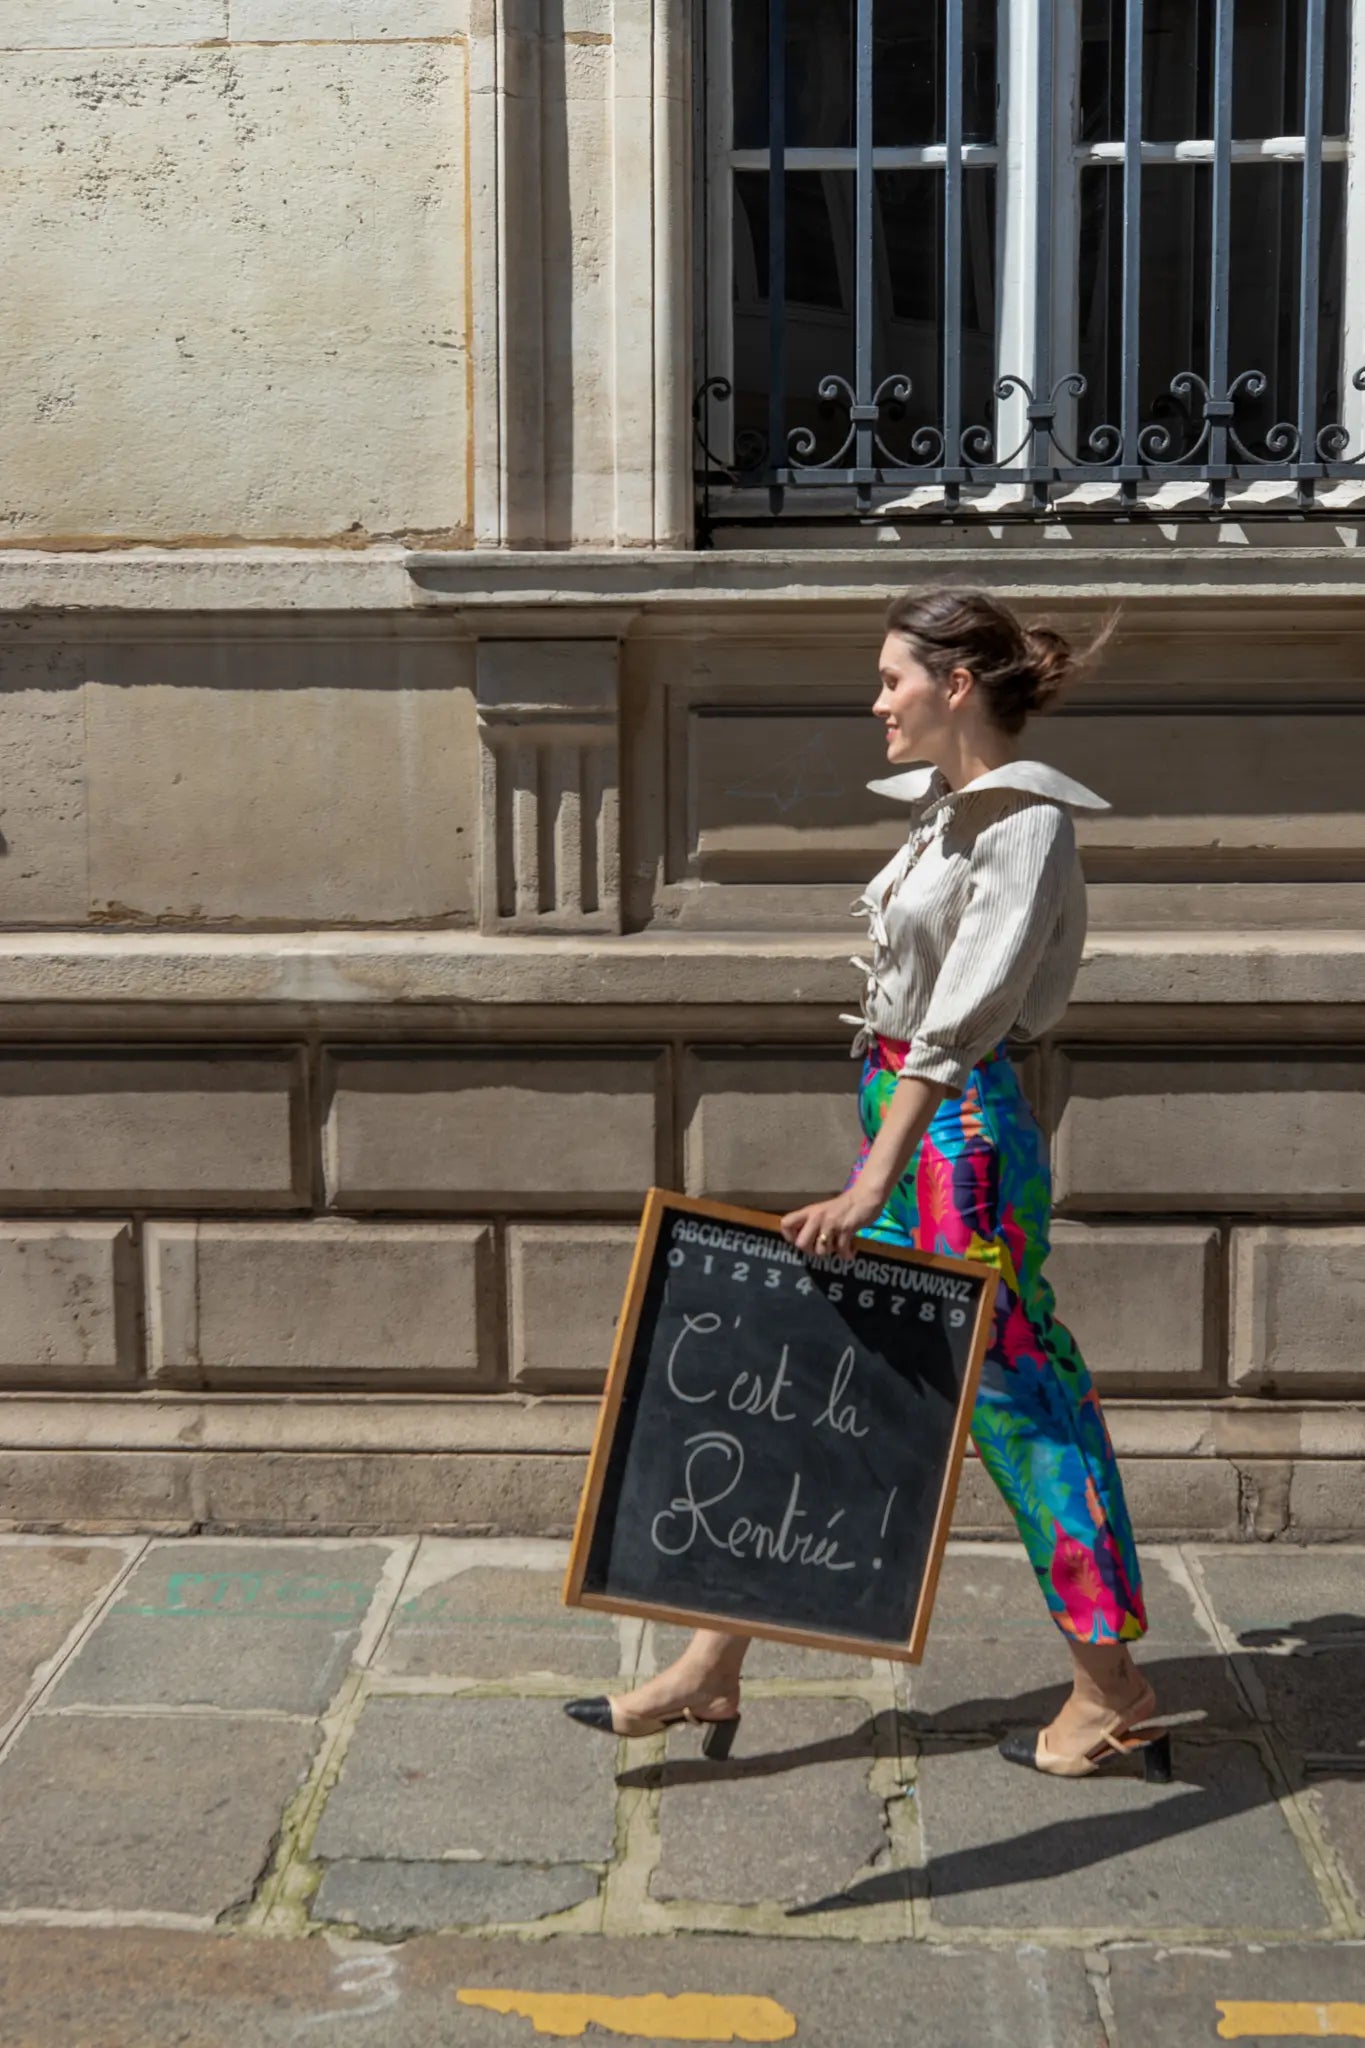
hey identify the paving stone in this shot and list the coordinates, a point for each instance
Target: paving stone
(789, 1817)
(512, 1780)
(144, 1812)
(1299, 1620)
(82, 1988)
(390, 1898)
(772, 1660)
(1012, 1848)
(1340, 1802)
(228, 1625)
(1173, 1998)
(485, 1622)
(44, 1590)
(995, 1660)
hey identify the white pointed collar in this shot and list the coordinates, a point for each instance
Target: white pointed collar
(1035, 776)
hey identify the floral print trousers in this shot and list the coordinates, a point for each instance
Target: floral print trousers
(980, 1187)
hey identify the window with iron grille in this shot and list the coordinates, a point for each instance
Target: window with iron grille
(1023, 256)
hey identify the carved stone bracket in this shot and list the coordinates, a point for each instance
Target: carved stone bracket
(549, 802)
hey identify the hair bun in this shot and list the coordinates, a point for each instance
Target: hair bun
(1049, 664)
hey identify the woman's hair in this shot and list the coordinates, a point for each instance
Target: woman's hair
(1023, 670)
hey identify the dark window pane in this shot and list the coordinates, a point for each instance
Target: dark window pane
(1099, 100)
(1264, 302)
(1268, 72)
(1173, 294)
(909, 299)
(750, 371)
(819, 97)
(1177, 70)
(749, 73)
(818, 311)
(1263, 295)
(1269, 43)
(910, 66)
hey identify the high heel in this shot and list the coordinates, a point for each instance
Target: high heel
(1157, 1767)
(1103, 1745)
(719, 1739)
(603, 1714)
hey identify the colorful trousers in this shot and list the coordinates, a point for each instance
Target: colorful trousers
(980, 1187)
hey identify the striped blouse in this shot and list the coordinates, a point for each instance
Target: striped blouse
(978, 923)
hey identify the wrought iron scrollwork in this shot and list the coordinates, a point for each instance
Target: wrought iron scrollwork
(1333, 441)
(1190, 430)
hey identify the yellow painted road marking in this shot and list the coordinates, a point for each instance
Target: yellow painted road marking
(692, 2016)
(1303, 2022)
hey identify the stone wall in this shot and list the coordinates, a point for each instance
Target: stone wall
(364, 967)
(241, 228)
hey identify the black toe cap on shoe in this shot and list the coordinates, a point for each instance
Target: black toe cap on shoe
(1020, 1749)
(595, 1713)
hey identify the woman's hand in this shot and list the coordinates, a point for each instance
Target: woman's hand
(827, 1228)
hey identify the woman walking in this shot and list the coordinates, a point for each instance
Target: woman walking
(976, 929)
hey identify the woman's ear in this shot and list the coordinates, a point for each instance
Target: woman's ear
(960, 681)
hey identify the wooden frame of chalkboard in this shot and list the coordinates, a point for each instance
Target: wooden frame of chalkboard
(627, 1368)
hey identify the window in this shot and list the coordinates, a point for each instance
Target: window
(1022, 255)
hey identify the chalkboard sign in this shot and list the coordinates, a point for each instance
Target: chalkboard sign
(781, 1434)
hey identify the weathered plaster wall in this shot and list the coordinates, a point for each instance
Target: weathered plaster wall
(236, 242)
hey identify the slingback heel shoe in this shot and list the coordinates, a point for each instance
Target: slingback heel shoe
(601, 1713)
(1032, 1751)
(1103, 1744)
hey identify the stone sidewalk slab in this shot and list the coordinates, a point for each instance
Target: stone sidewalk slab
(1339, 1801)
(771, 1660)
(1299, 1621)
(396, 1899)
(45, 1589)
(144, 1813)
(995, 1660)
(789, 1817)
(1171, 1998)
(1008, 1847)
(235, 1626)
(69, 1988)
(489, 1623)
(511, 1780)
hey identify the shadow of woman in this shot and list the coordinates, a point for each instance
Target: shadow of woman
(1292, 1682)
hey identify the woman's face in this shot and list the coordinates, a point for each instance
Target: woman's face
(914, 708)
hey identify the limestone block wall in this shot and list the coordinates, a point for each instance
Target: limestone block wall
(241, 228)
(361, 968)
(155, 773)
(333, 1220)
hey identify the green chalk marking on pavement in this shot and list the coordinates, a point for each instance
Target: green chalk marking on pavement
(253, 1596)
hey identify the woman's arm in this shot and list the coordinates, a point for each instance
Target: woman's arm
(908, 1116)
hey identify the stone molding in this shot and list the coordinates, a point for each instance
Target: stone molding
(549, 792)
(1298, 585)
(1283, 982)
(554, 1424)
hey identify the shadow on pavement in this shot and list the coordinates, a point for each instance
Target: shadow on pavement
(1311, 1675)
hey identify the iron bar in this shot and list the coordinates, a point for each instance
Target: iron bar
(865, 409)
(1130, 421)
(952, 247)
(777, 245)
(1217, 398)
(1042, 423)
(1310, 234)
